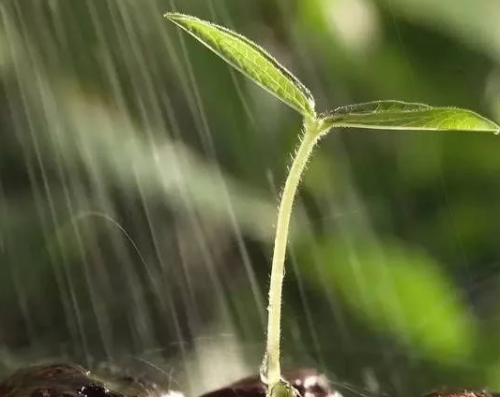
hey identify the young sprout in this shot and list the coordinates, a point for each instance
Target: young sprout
(254, 62)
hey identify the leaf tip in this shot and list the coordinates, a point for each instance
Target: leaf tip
(174, 17)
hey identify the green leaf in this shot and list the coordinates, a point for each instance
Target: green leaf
(395, 115)
(250, 59)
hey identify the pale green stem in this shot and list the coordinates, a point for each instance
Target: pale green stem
(272, 360)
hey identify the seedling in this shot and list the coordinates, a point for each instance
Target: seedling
(254, 62)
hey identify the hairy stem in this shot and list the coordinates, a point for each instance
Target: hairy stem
(272, 359)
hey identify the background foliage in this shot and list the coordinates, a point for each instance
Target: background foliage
(139, 178)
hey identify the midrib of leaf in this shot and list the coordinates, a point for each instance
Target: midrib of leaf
(380, 106)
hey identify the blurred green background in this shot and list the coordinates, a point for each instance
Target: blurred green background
(139, 178)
